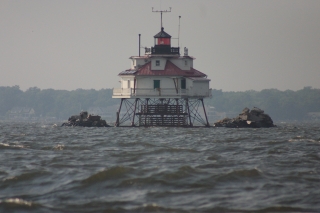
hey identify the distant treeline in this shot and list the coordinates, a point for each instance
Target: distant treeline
(54, 103)
(280, 105)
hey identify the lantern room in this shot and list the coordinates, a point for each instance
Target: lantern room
(162, 44)
(162, 38)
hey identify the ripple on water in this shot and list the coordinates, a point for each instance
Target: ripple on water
(114, 173)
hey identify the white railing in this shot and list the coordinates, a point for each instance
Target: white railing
(121, 92)
(160, 92)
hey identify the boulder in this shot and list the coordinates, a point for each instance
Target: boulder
(256, 110)
(85, 120)
(255, 118)
(245, 110)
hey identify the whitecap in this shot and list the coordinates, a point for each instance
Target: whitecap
(4, 144)
(17, 201)
(59, 147)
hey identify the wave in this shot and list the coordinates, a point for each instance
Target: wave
(280, 209)
(185, 176)
(240, 174)
(11, 146)
(23, 177)
(114, 173)
(154, 207)
(61, 147)
(172, 150)
(18, 204)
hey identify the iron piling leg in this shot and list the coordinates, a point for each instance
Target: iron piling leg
(146, 112)
(178, 113)
(118, 114)
(187, 102)
(134, 112)
(205, 113)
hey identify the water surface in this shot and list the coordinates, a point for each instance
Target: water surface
(47, 168)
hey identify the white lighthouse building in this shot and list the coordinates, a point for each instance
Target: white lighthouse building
(162, 88)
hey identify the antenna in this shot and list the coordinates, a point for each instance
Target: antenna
(161, 11)
(179, 32)
(139, 43)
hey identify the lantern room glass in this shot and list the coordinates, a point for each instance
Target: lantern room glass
(162, 41)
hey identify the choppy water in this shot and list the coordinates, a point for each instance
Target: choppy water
(45, 168)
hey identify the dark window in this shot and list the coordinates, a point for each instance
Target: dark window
(157, 63)
(156, 84)
(183, 83)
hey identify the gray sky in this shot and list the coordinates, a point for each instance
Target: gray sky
(240, 44)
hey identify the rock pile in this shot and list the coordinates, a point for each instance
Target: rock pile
(255, 118)
(86, 120)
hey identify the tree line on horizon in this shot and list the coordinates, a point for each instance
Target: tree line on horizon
(280, 105)
(54, 103)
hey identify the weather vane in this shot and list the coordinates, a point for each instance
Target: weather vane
(161, 11)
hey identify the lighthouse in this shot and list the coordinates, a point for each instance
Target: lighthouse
(162, 88)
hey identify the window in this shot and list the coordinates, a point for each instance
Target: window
(186, 63)
(183, 83)
(128, 84)
(156, 84)
(157, 63)
(163, 41)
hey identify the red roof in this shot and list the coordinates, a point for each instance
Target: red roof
(169, 70)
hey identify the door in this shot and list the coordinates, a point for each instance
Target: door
(156, 84)
(183, 83)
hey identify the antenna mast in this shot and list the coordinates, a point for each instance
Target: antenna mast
(179, 32)
(161, 11)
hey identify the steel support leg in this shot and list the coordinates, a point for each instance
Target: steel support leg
(118, 113)
(178, 112)
(187, 103)
(134, 111)
(205, 113)
(146, 111)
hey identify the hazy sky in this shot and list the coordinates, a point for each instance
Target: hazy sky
(240, 44)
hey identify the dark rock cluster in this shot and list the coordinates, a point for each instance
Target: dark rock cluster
(255, 118)
(85, 120)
